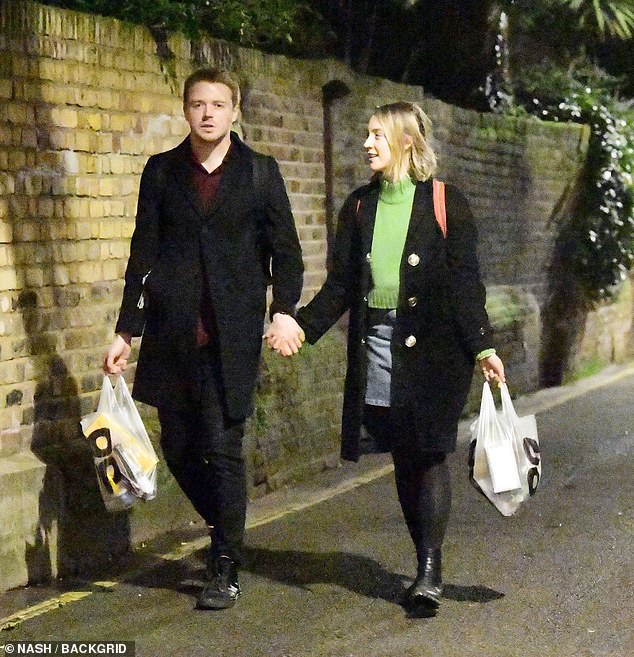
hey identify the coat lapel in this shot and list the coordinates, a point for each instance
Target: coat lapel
(366, 216)
(181, 170)
(423, 231)
(229, 183)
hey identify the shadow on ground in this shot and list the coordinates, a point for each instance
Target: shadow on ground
(299, 569)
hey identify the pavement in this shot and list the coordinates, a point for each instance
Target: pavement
(327, 560)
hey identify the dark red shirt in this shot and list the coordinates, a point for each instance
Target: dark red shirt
(206, 184)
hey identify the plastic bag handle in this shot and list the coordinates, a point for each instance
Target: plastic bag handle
(507, 403)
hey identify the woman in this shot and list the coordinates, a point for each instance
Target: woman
(417, 323)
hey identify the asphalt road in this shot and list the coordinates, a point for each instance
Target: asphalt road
(326, 562)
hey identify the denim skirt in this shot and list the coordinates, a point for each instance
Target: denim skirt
(379, 337)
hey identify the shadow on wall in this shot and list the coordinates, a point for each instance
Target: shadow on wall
(74, 526)
(75, 534)
(564, 313)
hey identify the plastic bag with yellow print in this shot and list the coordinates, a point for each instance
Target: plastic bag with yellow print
(125, 459)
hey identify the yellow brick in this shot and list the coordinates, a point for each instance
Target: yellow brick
(93, 121)
(105, 99)
(106, 187)
(52, 93)
(7, 183)
(117, 208)
(46, 207)
(64, 117)
(72, 208)
(87, 97)
(83, 142)
(19, 113)
(126, 229)
(6, 136)
(117, 164)
(121, 122)
(6, 88)
(83, 230)
(60, 275)
(106, 229)
(34, 277)
(128, 186)
(17, 160)
(86, 272)
(96, 209)
(104, 143)
(28, 138)
(110, 270)
(8, 279)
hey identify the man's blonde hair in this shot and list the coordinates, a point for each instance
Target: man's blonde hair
(399, 120)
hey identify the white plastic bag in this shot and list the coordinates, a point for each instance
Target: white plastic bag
(526, 442)
(125, 459)
(504, 460)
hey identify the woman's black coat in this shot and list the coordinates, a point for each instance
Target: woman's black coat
(441, 318)
(245, 240)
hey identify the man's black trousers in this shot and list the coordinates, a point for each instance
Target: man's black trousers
(203, 450)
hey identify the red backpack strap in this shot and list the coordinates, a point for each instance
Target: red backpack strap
(440, 211)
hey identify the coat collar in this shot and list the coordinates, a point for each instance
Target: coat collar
(232, 167)
(422, 210)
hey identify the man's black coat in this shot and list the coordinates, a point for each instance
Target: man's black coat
(441, 322)
(244, 242)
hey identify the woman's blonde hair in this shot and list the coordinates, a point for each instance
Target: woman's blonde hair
(407, 119)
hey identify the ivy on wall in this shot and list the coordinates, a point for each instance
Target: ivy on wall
(602, 233)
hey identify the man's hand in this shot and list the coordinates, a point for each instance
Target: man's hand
(116, 359)
(493, 369)
(284, 335)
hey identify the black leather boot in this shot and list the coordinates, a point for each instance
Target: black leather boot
(427, 587)
(223, 590)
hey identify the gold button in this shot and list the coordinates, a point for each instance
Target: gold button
(410, 341)
(412, 301)
(413, 259)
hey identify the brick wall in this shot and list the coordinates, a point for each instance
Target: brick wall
(84, 101)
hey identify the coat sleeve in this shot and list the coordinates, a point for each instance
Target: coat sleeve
(143, 250)
(287, 267)
(337, 293)
(467, 292)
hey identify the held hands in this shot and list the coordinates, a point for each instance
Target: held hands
(493, 369)
(116, 359)
(284, 335)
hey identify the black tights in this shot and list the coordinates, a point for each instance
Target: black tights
(424, 491)
(423, 485)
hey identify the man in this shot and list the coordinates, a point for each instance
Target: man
(213, 228)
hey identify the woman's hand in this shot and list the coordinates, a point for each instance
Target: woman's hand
(493, 369)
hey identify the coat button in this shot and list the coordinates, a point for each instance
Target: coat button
(482, 331)
(410, 341)
(365, 299)
(368, 256)
(362, 340)
(413, 259)
(412, 301)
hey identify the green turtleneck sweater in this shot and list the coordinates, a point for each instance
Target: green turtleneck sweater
(390, 230)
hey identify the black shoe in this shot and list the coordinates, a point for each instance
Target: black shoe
(223, 590)
(427, 587)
